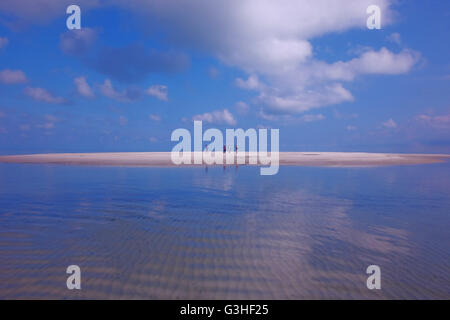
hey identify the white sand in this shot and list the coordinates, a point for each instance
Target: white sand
(163, 159)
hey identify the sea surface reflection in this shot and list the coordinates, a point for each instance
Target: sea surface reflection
(224, 233)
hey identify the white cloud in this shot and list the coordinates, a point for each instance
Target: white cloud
(83, 87)
(271, 55)
(158, 91)
(108, 90)
(271, 42)
(300, 99)
(218, 116)
(390, 124)
(370, 62)
(384, 62)
(127, 95)
(3, 42)
(258, 35)
(12, 76)
(40, 94)
(319, 84)
(252, 83)
(154, 117)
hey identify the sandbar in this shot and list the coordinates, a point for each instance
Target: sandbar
(163, 159)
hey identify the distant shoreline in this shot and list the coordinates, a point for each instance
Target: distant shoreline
(163, 159)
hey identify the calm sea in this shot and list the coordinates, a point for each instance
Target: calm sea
(188, 233)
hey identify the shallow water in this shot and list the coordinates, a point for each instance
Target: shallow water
(191, 233)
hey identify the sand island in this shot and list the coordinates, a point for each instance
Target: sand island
(163, 159)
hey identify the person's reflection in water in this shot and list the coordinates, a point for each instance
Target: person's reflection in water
(206, 169)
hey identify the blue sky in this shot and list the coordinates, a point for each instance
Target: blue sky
(137, 70)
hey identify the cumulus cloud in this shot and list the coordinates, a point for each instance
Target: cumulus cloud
(83, 87)
(381, 62)
(271, 42)
(319, 84)
(127, 95)
(40, 94)
(158, 91)
(370, 62)
(12, 76)
(218, 117)
(252, 83)
(257, 34)
(3, 42)
(390, 124)
(299, 99)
